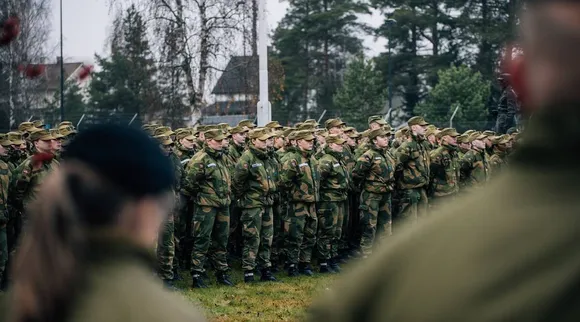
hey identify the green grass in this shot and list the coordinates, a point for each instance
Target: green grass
(285, 300)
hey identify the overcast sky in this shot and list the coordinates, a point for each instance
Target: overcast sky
(86, 24)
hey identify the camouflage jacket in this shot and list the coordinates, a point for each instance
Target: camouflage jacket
(299, 176)
(497, 162)
(183, 153)
(474, 168)
(26, 180)
(334, 176)
(207, 179)
(253, 181)
(445, 172)
(360, 150)
(375, 171)
(414, 161)
(5, 176)
(235, 152)
(281, 153)
(289, 152)
(348, 158)
(178, 168)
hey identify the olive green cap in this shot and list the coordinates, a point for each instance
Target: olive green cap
(162, 130)
(38, 123)
(311, 121)
(304, 135)
(214, 134)
(330, 123)
(66, 123)
(287, 132)
(377, 132)
(4, 140)
(66, 130)
(464, 138)
(349, 129)
(448, 131)
(305, 126)
(334, 138)
(489, 133)
(15, 138)
(25, 126)
(260, 134)
(417, 120)
(182, 133)
(353, 134)
(247, 123)
(274, 125)
(38, 134)
(164, 139)
(512, 130)
(477, 136)
(55, 134)
(377, 119)
(239, 129)
(469, 132)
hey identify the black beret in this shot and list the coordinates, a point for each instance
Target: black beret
(127, 157)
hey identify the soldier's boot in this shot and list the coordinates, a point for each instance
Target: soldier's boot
(249, 277)
(176, 276)
(267, 276)
(334, 265)
(274, 268)
(325, 268)
(223, 278)
(197, 281)
(169, 285)
(292, 270)
(204, 275)
(305, 269)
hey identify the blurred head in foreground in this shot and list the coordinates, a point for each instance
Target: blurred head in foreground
(113, 188)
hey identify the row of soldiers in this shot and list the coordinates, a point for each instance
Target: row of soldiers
(283, 195)
(26, 157)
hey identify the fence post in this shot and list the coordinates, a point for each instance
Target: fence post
(453, 116)
(133, 119)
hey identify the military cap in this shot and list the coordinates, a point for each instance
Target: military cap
(66, 130)
(55, 134)
(349, 129)
(214, 134)
(181, 133)
(377, 119)
(4, 140)
(476, 136)
(512, 130)
(330, 123)
(38, 134)
(15, 138)
(297, 125)
(387, 128)
(431, 130)
(224, 126)
(489, 133)
(292, 135)
(505, 139)
(287, 131)
(38, 123)
(417, 120)
(335, 138)
(69, 123)
(201, 128)
(25, 126)
(377, 132)
(239, 129)
(311, 121)
(469, 132)
(304, 135)
(365, 133)
(274, 125)
(164, 139)
(448, 131)
(247, 123)
(305, 126)
(162, 130)
(464, 138)
(260, 134)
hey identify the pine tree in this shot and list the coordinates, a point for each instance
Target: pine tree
(74, 105)
(362, 93)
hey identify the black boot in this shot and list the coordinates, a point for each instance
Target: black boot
(325, 268)
(197, 281)
(267, 276)
(292, 270)
(248, 277)
(305, 269)
(176, 276)
(223, 278)
(169, 285)
(334, 265)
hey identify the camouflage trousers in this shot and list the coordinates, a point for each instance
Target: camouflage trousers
(211, 225)
(183, 232)
(3, 252)
(330, 220)
(278, 240)
(351, 227)
(413, 204)
(166, 250)
(302, 232)
(375, 219)
(258, 233)
(235, 238)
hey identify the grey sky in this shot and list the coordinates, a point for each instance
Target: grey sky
(86, 24)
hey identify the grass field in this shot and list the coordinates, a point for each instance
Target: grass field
(286, 300)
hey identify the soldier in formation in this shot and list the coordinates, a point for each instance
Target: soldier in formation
(305, 198)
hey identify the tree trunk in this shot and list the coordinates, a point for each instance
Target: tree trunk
(254, 28)
(203, 55)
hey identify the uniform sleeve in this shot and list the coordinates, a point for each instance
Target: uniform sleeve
(195, 173)
(466, 161)
(324, 168)
(361, 168)
(404, 153)
(240, 176)
(20, 183)
(288, 173)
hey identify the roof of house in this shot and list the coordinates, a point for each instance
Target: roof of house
(239, 77)
(52, 80)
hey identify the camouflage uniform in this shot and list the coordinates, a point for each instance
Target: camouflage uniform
(208, 182)
(5, 176)
(498, 160)
(334, 186)
(278, 240)
(235, 240)
(444, 183)
(414, 163)
(166, 242)
(254, 183)
(474, 169)
(183, 234)
(375, 174)
(300, 179)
